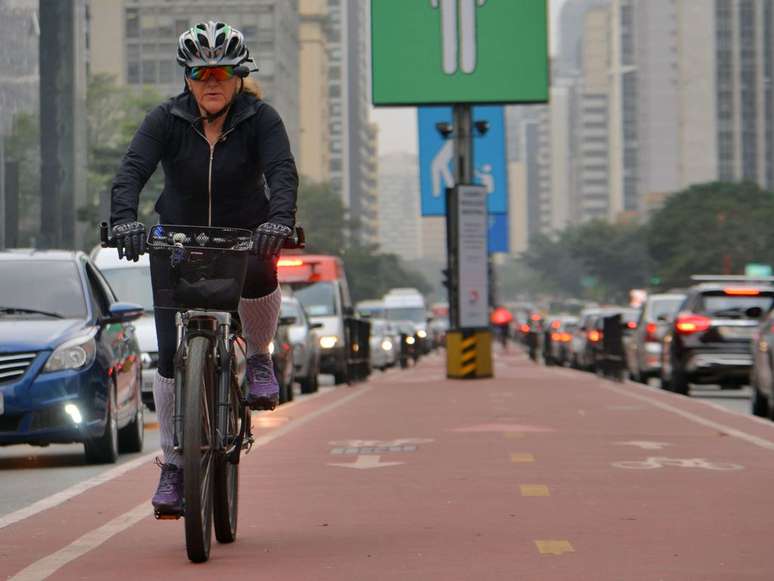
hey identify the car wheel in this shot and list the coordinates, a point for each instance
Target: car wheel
(132, 436)
(760, 404)
(679, 382)
(104, 448)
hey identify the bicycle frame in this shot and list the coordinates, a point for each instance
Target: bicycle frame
(217, 327)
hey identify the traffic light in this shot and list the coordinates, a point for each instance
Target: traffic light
(445, 278)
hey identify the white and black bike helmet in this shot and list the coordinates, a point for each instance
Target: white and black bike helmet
(212, 44)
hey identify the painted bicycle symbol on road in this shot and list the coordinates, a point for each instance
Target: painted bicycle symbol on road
(654, 462)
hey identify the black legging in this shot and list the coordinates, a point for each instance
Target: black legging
(260, 281)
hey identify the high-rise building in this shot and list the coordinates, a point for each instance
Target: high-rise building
(691, 97)
(314, 149)
(592, 130)
(350, 133)
(399, 219)
(136, 41)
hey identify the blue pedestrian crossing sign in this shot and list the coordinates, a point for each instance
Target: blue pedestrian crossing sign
(436, 159)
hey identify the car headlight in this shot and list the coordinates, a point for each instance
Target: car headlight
(422, 334)
(410, 340)
(73, 354)
(387, 345)
(328, 342)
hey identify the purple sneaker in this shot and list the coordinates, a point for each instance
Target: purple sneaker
(168, 499)
(263, 391)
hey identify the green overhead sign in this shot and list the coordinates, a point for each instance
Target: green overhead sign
(459, 51)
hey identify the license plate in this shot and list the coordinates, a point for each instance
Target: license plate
(737, 332)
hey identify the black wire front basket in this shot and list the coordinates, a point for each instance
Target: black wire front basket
(198, 267)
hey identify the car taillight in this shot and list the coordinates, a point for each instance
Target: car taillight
(650, 333)
(595, 336)
(689, 324)
(565, 338)
(556, 336)
(631, 325)
(556, 324)
(524, 328)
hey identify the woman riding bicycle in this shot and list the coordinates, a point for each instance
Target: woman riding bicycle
(227, 162)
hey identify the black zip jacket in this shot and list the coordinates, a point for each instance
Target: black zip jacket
(219, 186)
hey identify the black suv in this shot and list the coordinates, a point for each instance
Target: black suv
(710, 340)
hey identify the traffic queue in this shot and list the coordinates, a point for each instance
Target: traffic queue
(79, 348)
(717, 331)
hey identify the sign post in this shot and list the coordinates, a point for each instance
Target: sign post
(461, 53)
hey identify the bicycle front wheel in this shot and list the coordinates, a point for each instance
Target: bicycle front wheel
(226, 468)
(198, 445)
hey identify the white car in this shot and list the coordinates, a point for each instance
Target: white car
(306, 344)
(131, 282)
(384, 344)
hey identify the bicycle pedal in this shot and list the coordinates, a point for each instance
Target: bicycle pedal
(167, 515)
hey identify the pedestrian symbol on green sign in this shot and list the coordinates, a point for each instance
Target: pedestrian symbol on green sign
(459, 41)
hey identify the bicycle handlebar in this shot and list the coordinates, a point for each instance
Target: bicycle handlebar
(296, 242)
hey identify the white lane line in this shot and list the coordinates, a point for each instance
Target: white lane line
(81, 487)
(43, 568)
(91, 540)
(760, 442)
(75, 490)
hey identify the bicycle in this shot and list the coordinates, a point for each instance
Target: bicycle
(199, 271)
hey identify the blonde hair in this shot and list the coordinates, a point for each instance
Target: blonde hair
(251, 86)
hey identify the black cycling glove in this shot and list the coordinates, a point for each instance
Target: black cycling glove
(269, 238)
(130, 240)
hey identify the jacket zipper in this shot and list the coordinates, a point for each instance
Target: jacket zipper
(209, 171)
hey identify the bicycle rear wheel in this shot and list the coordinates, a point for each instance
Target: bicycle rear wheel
(226, 475)
(198, 444)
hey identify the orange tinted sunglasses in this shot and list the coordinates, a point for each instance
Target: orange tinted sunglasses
(223, 73)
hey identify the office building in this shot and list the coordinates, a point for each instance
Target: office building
(351, 153)
(136, 42)
(399, 213)
(20, 31)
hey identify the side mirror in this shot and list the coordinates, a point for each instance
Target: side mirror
(316, 325)
(291, 320)
(123, 313)
(348, 311)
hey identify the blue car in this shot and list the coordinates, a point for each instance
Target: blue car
(70, 367)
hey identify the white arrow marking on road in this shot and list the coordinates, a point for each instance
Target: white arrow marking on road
(645, 445)
(366, 461)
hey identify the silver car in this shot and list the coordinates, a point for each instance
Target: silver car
(384, 345)
(306, 344)
(644, 345)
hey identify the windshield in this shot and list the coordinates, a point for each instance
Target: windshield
(318, 298)
(726, 306)
(413, 314)
(51, 286)
(131, 285)
(665, 308)
(292, 310)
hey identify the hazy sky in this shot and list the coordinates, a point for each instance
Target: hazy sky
(398, 125)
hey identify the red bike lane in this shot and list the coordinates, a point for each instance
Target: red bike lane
(536, 474)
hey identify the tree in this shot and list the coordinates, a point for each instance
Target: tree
(714, 228)
(23, 146)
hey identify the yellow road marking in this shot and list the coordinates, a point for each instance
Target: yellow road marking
(552, 547)
(534, 490)
(518, 457)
